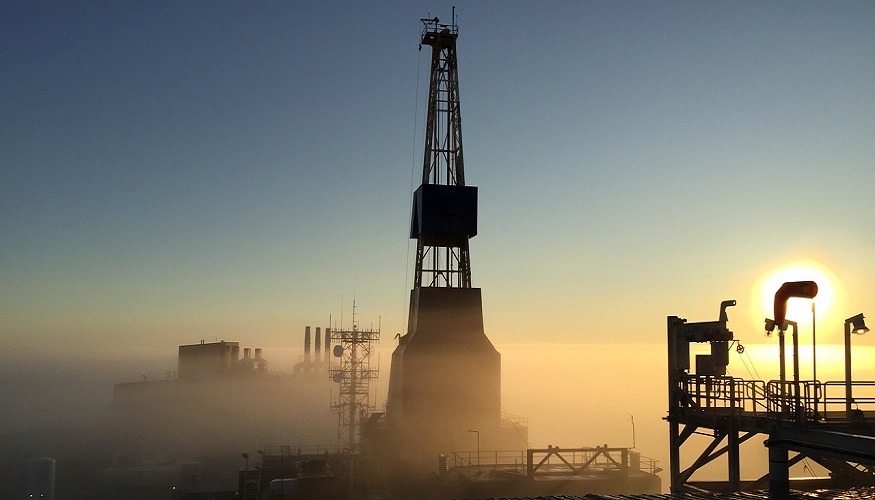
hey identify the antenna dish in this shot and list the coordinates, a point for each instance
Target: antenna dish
(337, 377)
(338, 351)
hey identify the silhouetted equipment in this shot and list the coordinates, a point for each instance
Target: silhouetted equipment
(288, 472)
(856, 325)
(316, 364)
(800, 289)
(318, 344)
(205, 361)
(807, 417)
(353, 374)
(446, 374)
(307, 344)
(231, 404)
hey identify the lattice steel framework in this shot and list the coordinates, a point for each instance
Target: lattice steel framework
(443, 164)
(354, 375)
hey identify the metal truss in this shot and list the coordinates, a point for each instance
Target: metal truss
(443, 161)
(354, 375)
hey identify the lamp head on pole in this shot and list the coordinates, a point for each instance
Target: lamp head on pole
(857, 324)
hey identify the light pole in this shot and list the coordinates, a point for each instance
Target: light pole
(632, 419)
(856, 325)
(478, 444)
(813, 345)
(245, 472)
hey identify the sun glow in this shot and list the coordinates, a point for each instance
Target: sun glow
(799, 310)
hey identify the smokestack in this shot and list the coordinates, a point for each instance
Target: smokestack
(246, 352)
(307, 344)
(327, 343)
(318, 343)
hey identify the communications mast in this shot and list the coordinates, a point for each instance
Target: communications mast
(353, 374)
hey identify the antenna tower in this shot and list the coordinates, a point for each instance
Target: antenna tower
(354, 375)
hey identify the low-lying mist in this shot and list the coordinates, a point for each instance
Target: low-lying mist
(572, 395)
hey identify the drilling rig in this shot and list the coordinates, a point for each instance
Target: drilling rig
(445, 380)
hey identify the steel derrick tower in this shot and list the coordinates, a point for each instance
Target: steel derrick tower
(442, 256)
(446, 374)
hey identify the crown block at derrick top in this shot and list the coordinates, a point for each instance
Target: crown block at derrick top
(444, 215)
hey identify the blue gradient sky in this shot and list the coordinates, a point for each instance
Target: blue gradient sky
(176, 171)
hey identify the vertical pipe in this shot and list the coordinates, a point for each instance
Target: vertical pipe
(307, 344)
(779, 474)
(673, 407)
(848, 396)
(327, 343)
(783, 373)
(734, 459)
(800, 413)
(318, 344)
(814, 363)
(813, 343)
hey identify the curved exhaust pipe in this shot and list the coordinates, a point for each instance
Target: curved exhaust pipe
(800, 289)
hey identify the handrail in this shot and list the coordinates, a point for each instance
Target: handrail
(805, 402)
(514, 419)
(556, 460)
(289, 450)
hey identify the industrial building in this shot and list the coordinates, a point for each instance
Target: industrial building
(220, 402)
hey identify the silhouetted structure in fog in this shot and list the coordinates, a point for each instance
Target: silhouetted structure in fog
(316, 366)
(220, 402)
(353, 375)
(209, 360)
(807, 417)
(446, 376)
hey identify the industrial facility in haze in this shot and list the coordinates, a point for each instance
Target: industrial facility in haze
(446, 374)
(170, 432)
(445, 381)
(224, 425)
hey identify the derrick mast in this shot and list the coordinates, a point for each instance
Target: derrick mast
(446, 375)
(444, 209)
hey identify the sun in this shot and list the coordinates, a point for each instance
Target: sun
(799, 310)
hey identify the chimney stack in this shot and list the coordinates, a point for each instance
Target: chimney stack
(318, 343)
(307, 344)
